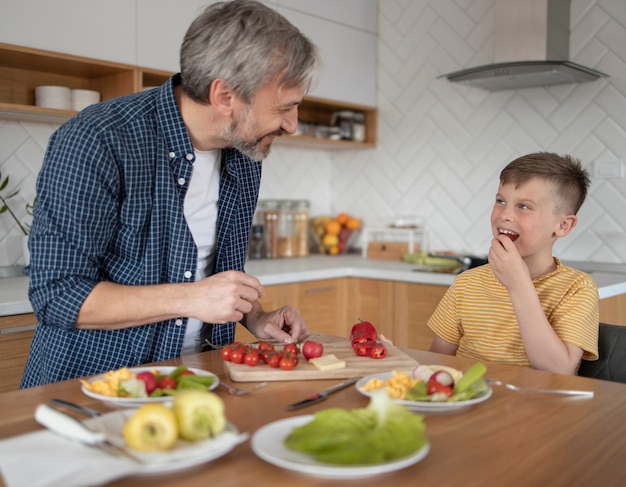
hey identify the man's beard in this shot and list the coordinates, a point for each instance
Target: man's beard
(234, 136)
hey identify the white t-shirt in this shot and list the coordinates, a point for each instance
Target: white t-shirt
(200, 209)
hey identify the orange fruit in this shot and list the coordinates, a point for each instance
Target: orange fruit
(330, 240)
(342, 218)
(333, 227)
(353, 223)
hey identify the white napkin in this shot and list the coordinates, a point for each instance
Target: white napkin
(45, 459)
(66, 463)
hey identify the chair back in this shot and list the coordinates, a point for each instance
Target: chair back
(611, 365)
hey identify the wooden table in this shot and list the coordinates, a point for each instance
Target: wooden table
(513, 439)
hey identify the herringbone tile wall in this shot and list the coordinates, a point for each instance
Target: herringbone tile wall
(441, 146)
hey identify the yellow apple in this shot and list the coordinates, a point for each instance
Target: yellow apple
(199, 413)
(152, 427)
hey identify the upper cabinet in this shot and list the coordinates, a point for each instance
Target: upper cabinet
(101, 30)
(161, 26)
(349, 55)
(360, 14)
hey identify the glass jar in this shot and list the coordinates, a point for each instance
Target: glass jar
(301, 223)
(286, 229)
(270, 211)
(256, 246)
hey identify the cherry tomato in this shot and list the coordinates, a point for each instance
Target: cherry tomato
(149, 379)
(288, 362)
(166, 383)
(292, 348)
(187, 372)
(273, 359)
(226, 353)
(251, 358)
(236, 356)
(265, 347)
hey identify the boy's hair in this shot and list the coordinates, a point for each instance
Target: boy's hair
(566, 172)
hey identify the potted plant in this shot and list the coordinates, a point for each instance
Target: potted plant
(5, 208)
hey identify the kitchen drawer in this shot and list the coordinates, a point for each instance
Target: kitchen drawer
(16, 333)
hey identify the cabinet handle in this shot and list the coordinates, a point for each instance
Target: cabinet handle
(323, 289)
(17, 329)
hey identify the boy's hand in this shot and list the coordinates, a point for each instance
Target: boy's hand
(507, 263)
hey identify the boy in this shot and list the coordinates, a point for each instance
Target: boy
(525, 307)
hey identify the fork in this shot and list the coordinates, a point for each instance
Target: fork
(567, 392)
(236, 391)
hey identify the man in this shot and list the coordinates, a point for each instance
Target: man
(145, 204)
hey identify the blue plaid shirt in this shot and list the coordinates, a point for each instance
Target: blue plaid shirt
(110, 208)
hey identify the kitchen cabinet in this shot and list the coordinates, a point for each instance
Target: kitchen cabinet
(24, 68)
(370, 300)
(103, 30)
(613, 310)
(16, 333)
(397, 310)
(321, 303)
(359, 14)
(413, 304)
(161, 27)
(349, 58)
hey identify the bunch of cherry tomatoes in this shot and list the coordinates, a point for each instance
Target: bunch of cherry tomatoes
(240, 353)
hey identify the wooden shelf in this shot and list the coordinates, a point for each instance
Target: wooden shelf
(22, 69)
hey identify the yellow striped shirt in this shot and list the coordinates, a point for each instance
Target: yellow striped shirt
(476, 313)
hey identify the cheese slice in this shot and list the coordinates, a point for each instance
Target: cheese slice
(328, 362)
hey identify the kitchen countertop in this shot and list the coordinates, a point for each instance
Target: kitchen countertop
(610, 278)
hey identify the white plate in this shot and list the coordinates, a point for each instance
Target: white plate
(184, 455)
(268, 443)
(424, 406)
(132, 402)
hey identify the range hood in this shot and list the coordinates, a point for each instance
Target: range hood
(530, 48)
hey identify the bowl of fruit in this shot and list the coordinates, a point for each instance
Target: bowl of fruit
(335, 235)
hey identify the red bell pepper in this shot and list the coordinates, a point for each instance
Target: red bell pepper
(376, 350)
(361, 348)
(363, 332)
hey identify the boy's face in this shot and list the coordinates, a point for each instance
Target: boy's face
(527, 215)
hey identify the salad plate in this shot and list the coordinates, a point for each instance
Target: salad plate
(183, 455)
(132, 402)
(424, 406)
(268, 443)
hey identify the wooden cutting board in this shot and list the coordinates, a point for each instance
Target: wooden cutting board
(355, 366)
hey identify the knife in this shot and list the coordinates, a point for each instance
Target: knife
(322, 395)
(75, 407)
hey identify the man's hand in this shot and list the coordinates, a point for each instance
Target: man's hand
(223, 297)
(284, 325)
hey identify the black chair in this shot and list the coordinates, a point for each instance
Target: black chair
(612, 351)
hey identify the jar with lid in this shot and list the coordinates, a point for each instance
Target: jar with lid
(270, 211)
(286, 229)
(301, 223)
(256, 245)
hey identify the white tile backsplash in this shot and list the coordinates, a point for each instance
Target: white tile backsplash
(441, 146)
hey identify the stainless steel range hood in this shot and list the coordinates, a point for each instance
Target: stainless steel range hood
(531, 48)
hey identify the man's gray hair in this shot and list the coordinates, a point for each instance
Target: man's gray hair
(248, 45)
